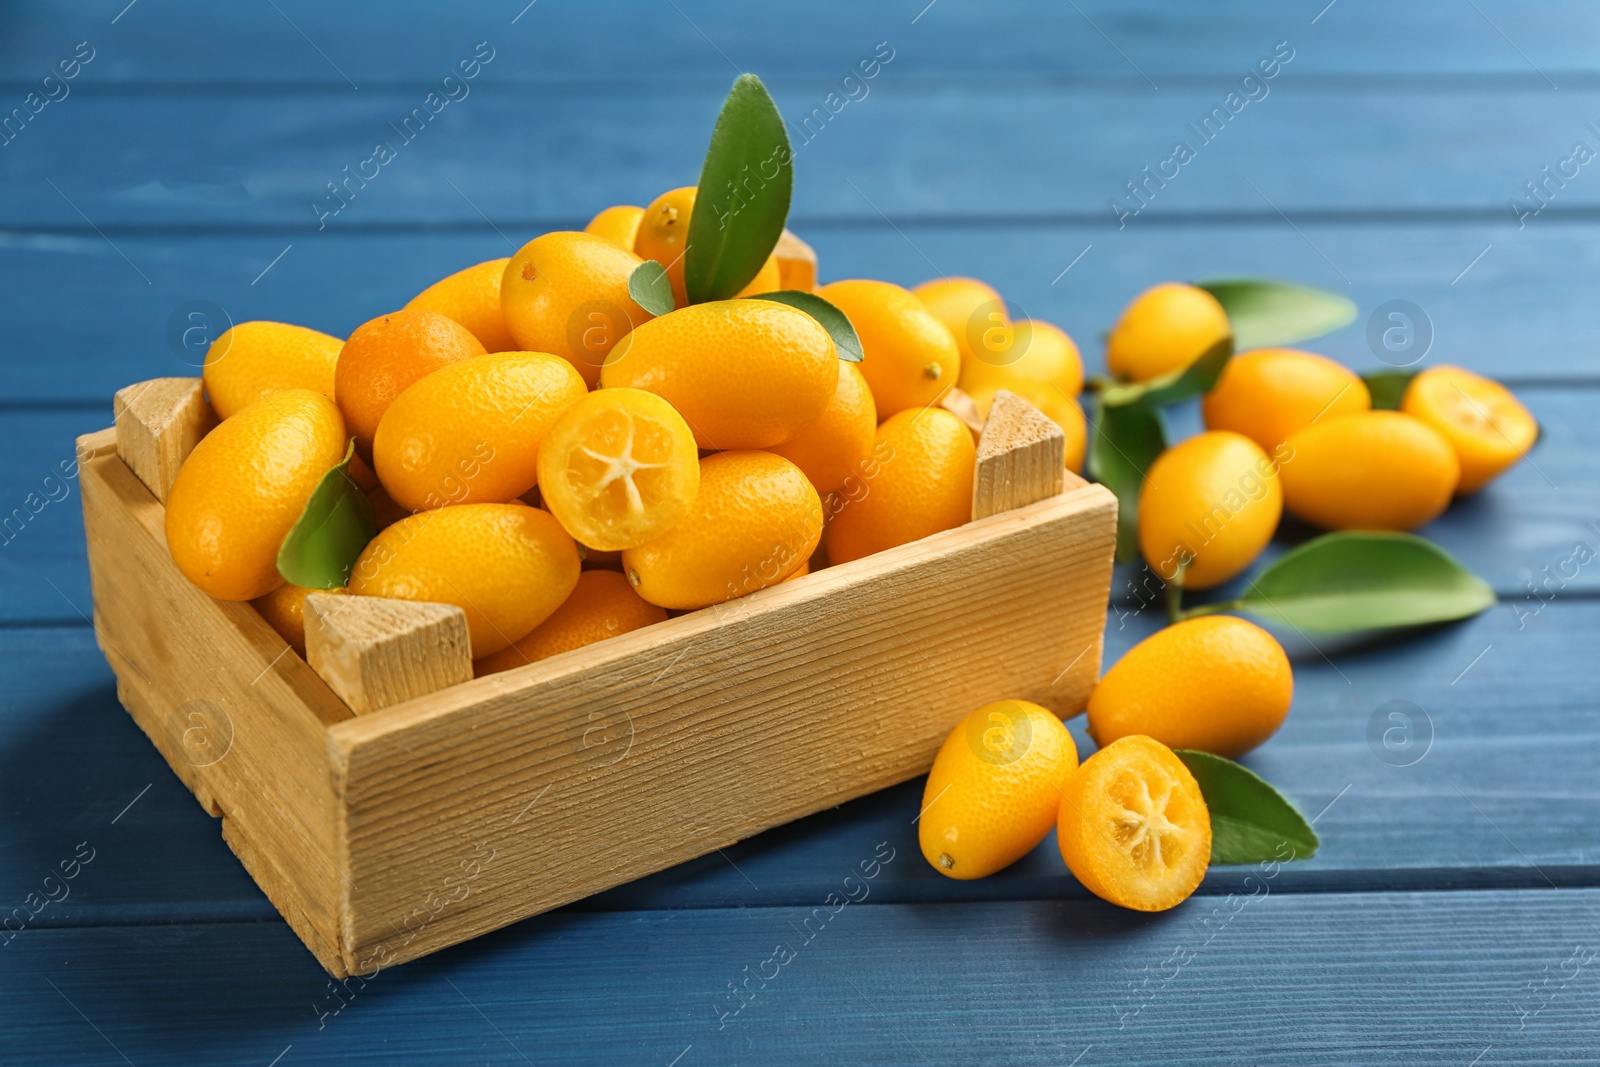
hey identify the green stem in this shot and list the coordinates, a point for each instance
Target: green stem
(1209, 609)
(1174, 587)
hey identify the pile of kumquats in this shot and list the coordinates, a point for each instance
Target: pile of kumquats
(666, 411)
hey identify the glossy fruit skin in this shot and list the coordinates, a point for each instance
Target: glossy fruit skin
(1215, 683)
(1111, 801)
(1373, 470)
(920, 485)
(1028, 351)
(285, 611)
(972, 311)
(469, 433)
(1213, 500)
(743, 373)
(663, 236)
(507, 566)
(619, 468)
(602, 605)
(383, 357)
(1270, 393)
(567, 293)
(244, 486)
(253, 359)
(755, 521)
(619, 225)
(836, 444)
(472, 298)
(909, 358)
(995, 789)
(1058, 407)
(1485, 424)
(1165, 328)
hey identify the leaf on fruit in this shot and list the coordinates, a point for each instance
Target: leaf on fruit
(836, 322)
(330, 533)
(650, 287)
(1192, 381)
(1265, 312)
(743, 196)
(1251, 822)
(1126, 440)
(1387, 387)
(1351, 580)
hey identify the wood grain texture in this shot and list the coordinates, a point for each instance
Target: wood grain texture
(1263, 977)
(158, 424)
(185, 163)
(188, 663)
(1390, 141)
(1021, 457)
(1504, 754)
(1005, 41)
(375, 652)
(600, 765)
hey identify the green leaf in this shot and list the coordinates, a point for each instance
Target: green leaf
(1193, 380)
(836, 322)
(1387, 387)
(650, 287)
(1126, 440)
(743, 197)
(330, 533)
(1251, 822)
(1352, 580)
(1265, 312)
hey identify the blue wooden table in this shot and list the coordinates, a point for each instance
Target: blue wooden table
(1422, 153)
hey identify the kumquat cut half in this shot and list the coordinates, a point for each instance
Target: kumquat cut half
(1134, 828)
(619, 468)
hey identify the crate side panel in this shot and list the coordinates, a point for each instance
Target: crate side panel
(240, 718)
(483, 804)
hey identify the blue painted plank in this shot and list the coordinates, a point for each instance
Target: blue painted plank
(308, 43)
(525, 155)
(1385, 978)
(1520, 534)
(1494, 790)
(79, 780)
(1518, 313)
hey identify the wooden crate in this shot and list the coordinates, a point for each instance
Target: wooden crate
(386, 836)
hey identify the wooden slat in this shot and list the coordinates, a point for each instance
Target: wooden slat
(1277, 978)
(158, 424)
(1010, 40)
(375, 652)
(70, 760)
(855, 676)
(238, 716)
(1020, 457)
(198, 161)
